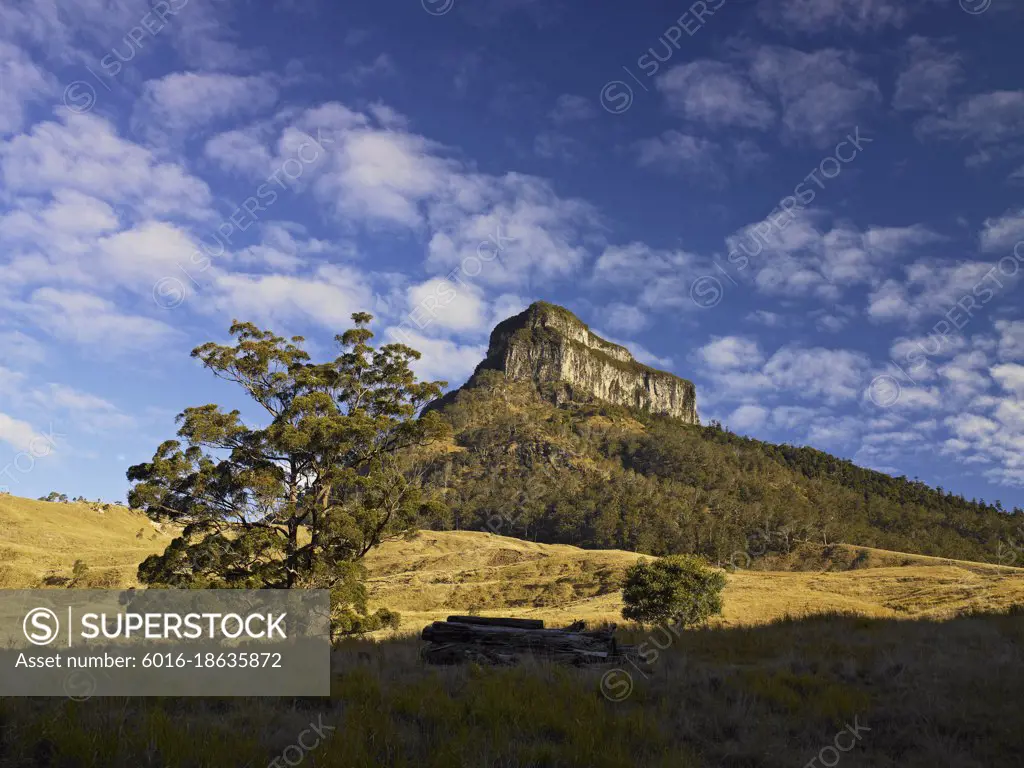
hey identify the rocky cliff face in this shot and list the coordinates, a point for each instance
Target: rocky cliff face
(550, 346)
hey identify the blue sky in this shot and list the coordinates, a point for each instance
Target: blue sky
(812, 208)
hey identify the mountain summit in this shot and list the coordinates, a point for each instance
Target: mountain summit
(550, 346)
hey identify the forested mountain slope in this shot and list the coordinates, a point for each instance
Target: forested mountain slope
(592, 474)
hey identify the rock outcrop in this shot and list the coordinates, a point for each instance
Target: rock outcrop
(550, 346)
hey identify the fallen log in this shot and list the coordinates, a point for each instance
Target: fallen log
(499, 641)
(452, 632)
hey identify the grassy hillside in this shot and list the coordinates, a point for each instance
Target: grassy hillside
(434, 573)
(41, 541)
(439, 573)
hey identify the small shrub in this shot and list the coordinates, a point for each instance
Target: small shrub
(861, 560)
(78, 572)
(679, 587)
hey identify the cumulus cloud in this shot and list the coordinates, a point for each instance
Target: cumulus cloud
(928, 76)
(1004, 233)
(89, 320)
(801, 256)
(823, 94)
(85, 154)
(180, 104)
(570, 108)
(834, 375)
(748, 417)
(731, 352)
(624, 318)
(715, 94)
(22, 84)
(817, 16)
(985, 119)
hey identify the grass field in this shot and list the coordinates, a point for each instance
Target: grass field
(434, 574)
(832, 689)
(902, 661)
(39, 540)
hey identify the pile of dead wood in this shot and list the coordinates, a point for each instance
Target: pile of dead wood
(505, 641)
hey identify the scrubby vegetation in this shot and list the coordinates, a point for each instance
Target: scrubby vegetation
(772, 697)
(596, 475)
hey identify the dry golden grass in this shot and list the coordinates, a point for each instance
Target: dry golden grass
(747, 692)
(38, 539)
(438, 573)
(434, 574)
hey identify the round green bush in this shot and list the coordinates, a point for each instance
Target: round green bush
(681, 589)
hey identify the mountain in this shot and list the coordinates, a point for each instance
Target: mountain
(551, 347)
(561, 437)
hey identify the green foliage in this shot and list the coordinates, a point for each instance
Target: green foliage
(597, 475)
(293, 502)
(680, 588)
(79, 570)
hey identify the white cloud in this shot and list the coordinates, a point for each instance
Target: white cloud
(1004, 233)
(21, 83)
(823, 95)
(140, 256)
(663, 277)
(21, 348)
(932, 288)
(731, 352)
(21, 435)
(815, 16)
(570, 108)
(552, 145)
(442, 359)
(384, 176)
(1010, 377)
(182, 103)
(987, 118)
(327, 297)
(716, 94)
(1011, 339)
(381, 66)
(500, 230)
(89, 320)
(748, 417)
(766, 319)
(448, 306)
(241, 152)
(798, 256)
(673, 150)
(84, 153)
(928, 77)
(88, 412)
(519, 231)
(835, 375)
(624, 318)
